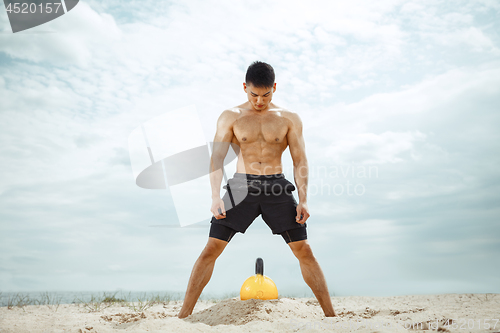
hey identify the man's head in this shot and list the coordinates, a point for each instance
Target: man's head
(260, 75)
(259, 84)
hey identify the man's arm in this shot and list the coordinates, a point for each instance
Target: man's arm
(300, 166)
(222, 140)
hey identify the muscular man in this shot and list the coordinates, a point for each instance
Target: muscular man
(261, 131)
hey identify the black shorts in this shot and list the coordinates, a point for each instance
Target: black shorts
(224, 233)
(249, 196)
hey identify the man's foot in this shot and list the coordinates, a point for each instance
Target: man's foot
(182, 315)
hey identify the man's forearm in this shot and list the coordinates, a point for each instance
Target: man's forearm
(301, 174)
(216, 175)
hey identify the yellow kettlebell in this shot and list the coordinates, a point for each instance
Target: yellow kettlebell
(258, 286)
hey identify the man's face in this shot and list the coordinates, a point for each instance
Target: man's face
(260, 98)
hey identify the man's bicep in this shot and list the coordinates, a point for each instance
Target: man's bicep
(223, 134)
(296, 140)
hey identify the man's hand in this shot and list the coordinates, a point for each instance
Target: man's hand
(302, 213)
(218, 208)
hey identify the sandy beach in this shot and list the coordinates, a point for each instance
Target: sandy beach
(470, 312)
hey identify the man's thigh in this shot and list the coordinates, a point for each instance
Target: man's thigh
(220, 231)
(294, 235)
(279, 213)
(241, 216)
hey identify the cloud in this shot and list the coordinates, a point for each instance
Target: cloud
(371, 148)
(76, 36)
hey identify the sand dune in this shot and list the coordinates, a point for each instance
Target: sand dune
(471, 312)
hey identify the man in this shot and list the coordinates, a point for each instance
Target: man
(259, 131)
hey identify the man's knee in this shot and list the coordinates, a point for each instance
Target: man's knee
(302, 250)
(213, 248)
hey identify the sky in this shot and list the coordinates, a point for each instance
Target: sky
(399, 102)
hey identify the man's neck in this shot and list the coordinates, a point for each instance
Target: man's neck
(267, 110)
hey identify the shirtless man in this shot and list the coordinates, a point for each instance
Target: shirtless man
(262, 131)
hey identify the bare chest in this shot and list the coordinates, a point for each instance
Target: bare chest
(270, 129)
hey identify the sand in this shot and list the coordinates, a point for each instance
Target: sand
(418, 313)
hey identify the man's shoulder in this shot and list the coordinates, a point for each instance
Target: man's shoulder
(230, 114)
(290, 115)
(284, 112)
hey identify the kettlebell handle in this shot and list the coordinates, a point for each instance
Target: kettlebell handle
(259, 266)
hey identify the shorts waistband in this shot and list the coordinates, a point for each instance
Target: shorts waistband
(260, 177)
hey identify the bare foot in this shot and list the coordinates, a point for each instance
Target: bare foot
(182, 315)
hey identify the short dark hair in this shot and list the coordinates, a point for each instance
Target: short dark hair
(260, 75)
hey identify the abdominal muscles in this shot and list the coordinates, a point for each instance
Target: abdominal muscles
(260, 159)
